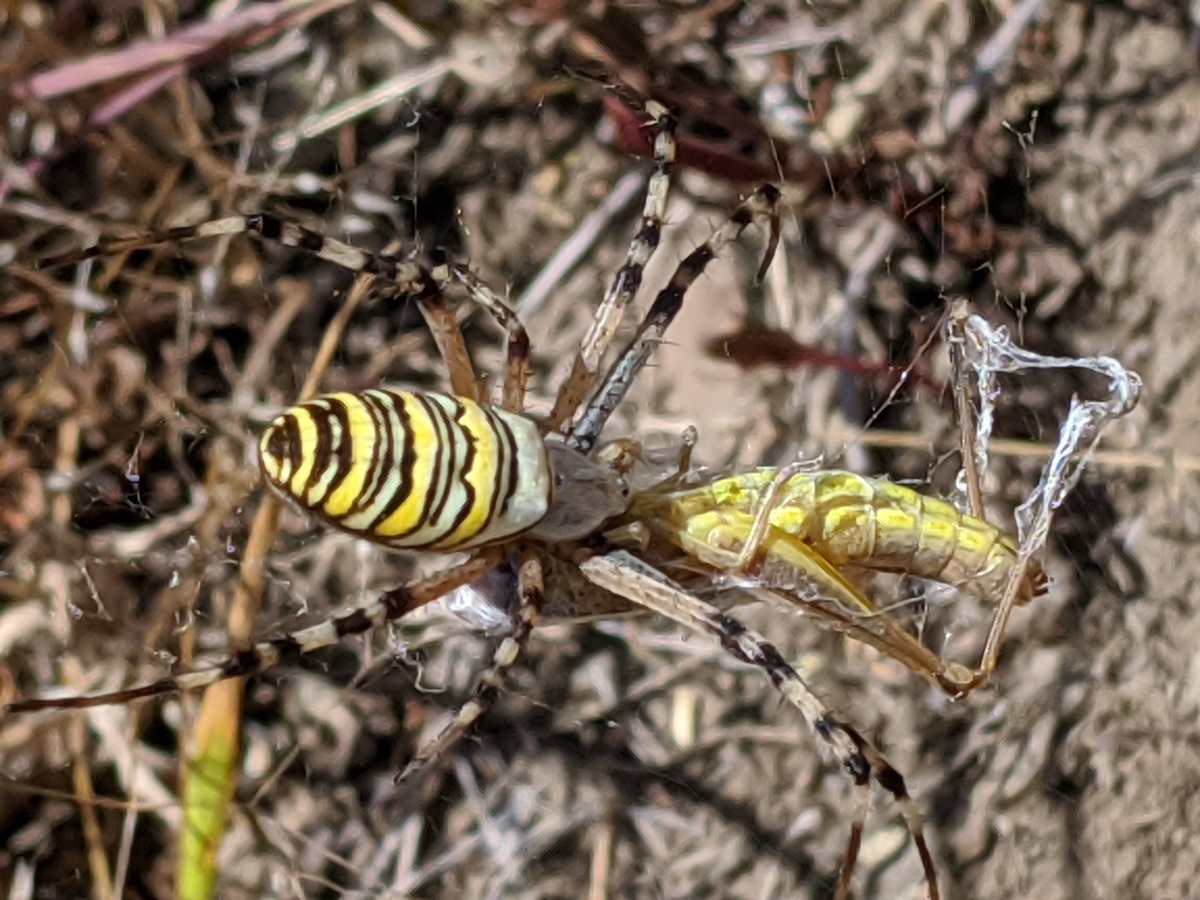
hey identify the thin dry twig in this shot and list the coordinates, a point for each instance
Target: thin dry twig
(191, 45)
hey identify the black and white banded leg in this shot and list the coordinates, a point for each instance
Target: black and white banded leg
(607, 320)
(628, 577)
(525, 617)
(425, 285)
(517, 366)
(762, 205)
(267, 654)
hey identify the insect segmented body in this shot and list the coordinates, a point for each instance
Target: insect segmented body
(820, 529)
(848, 520)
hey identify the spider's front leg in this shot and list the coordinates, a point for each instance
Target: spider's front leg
(762, 205)
(607, 319)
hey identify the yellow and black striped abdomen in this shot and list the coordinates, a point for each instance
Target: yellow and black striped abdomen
(410, 469)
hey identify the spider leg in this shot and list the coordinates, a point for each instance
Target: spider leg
(266, 654)
(442, 322)
(394, 268)
(762, 204)
(628, 577)
(628, 279)
(530, 589)
(270, 228)
(517, 367)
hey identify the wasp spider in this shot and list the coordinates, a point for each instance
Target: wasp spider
(532, 500)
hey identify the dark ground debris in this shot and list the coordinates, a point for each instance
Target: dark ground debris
(1061, 199)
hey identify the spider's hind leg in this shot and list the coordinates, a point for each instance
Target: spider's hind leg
(395, 267)
(517, 367)
(525, 616)
(632, 579)
(267, 654)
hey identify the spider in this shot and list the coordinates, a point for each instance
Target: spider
(530, 500)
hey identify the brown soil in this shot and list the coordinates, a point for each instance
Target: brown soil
(623, 759)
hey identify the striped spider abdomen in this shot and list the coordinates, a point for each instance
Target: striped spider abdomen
(408, 469)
